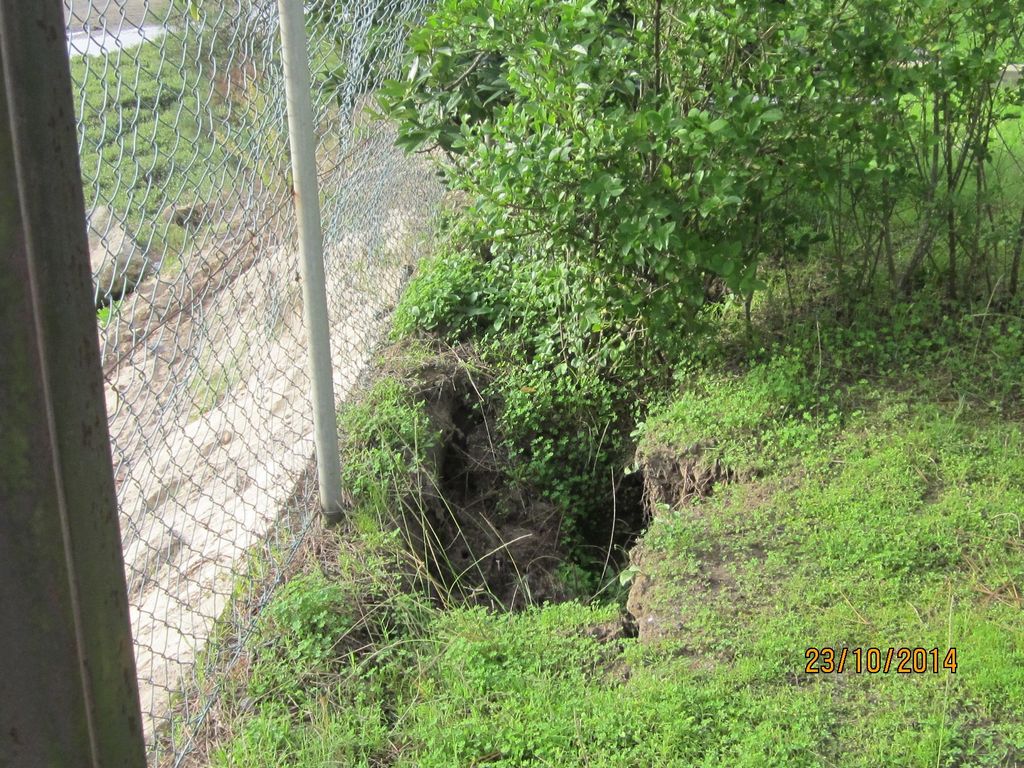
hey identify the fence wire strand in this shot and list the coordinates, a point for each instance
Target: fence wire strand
(185, 166)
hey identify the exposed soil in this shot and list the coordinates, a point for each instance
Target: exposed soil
(498, 544)
(483, 539)
(659, 605)
(672, 478)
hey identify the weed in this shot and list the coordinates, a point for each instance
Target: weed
(388, 439)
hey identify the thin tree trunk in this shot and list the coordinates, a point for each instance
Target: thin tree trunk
(890, 258)
(950, 200)
(926, 230)
(1018, 248)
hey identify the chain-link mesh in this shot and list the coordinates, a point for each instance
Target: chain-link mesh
(185, 165)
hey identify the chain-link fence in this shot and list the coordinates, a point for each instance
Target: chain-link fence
(184, 152)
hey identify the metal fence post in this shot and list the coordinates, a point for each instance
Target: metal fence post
(306, 194)
(68, 694)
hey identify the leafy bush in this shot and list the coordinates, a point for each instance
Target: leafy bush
(573, 158)
(451, 295)
(628, 168)
(663, 147)
(566, 433)
(559, 373)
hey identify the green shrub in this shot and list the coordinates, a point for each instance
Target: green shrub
(576, 162)
(567, 434)
(664, 145)
(624, 165)
(559, 365)
(449, 296)
(300, 634)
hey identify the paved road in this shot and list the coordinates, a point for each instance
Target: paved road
(100, 42)
(114, 14)
(98, 27)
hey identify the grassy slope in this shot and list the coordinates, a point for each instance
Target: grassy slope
(887, 516)
(882, 507)
(140, 113)
(879, 503)
(905, 532)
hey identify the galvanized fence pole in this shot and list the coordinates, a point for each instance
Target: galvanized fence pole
(68, 694)
(305, 192)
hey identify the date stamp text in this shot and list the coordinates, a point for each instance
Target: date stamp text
(873, 661)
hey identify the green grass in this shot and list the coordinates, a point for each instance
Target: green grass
(143, 140)
(882, 507)
(891, 517)
(877, 501)
(134, 12)
(905, 532)
(387, 438)
(209, 387)
(104, 315)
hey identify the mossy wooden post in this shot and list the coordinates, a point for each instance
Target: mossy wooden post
(306, 194)
(68, 692)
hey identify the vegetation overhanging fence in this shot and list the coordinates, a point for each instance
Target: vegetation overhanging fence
(183, 139)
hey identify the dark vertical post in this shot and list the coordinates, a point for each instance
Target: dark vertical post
(68, 693)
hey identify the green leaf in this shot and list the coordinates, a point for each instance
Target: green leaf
(626, 575)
